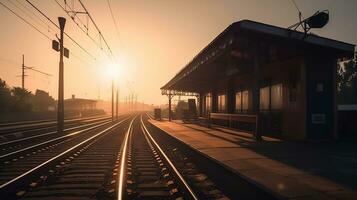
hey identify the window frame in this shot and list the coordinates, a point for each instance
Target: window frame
(242, 108)
(221, 108)
(270, 107)
(208, 104)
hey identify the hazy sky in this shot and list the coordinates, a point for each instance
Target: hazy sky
(156, 39)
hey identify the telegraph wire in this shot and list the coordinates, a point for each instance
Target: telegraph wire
(26, 13)
(81, 28)
(100, 33)
(75, 13)
(297, 8)
(44, 15)
(113, 18)
(115, 24)
(27, 22)
(47, 26)
(41, 72)
(38, 30)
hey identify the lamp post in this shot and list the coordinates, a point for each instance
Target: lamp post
(60, 106)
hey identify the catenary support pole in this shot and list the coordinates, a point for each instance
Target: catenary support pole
(60, 106)
(23, 71)
(112, 100)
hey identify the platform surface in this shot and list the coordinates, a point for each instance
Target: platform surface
(291, 170)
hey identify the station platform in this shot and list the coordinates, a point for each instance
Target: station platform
(287, 169)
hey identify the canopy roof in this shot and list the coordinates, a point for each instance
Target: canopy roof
(229, 39)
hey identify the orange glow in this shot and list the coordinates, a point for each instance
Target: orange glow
(155, 40)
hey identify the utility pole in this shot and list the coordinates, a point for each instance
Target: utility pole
(117, 104)
(60, 106)
(112, 99)
(60, 109)
(59, 46)
(23, 71)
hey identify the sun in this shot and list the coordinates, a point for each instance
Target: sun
(112, 71)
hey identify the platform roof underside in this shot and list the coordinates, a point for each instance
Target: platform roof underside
(234, 50)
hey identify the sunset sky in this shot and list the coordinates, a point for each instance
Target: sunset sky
(155, 39)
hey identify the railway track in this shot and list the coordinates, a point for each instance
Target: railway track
(19, 166)
(10, 146)
(145, 172)
(20, 128)
(209, 179)
(127, 159)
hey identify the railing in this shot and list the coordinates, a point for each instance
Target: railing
(246, 118)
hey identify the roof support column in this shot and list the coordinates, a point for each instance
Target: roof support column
(334, 100)
(170, 112)
(256, 91)
(230, 102)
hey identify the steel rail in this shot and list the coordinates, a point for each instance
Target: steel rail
(176, 172)
(9, 186)
(52, 140)
(45, 120)
(22, 125)
(52, 132)
(123, 150)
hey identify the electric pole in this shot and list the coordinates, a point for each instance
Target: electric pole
(112, 99)
(117, 104)
(60, 106)
(23, 71)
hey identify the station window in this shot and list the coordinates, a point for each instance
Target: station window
(276, 96)
(271, 97)
(242, 98)
(221, 103)
(239, 101)
(245, 99)
(208, 102)
(264, 98)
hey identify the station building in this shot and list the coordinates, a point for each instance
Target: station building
(268, 79)
(79, 104)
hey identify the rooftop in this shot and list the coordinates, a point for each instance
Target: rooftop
(227, 37)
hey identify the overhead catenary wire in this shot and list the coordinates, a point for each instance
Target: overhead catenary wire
(44, 24)
(27, 22)
(25, 12)
(115, 23)
(297, 8)
(41, 72)
(38, 30)
(113, 18)
(100, 33)
(81, 28)
(74, 41)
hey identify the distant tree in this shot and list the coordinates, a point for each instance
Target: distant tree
(5, 97)
(347, 82)
(42, 101)
(22, 100)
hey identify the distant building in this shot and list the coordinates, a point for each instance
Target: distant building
(79, 104)
(284, 78)
(42, 101)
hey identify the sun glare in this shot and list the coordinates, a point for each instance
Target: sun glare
(112, 71)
